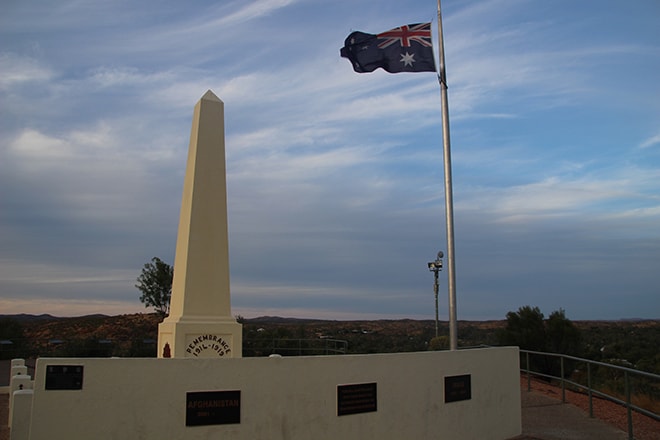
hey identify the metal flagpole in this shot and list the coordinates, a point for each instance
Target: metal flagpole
(449, 198)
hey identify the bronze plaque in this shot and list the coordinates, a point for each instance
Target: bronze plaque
(64, 377)
(213, 408)
(356, 399)
(457, 388)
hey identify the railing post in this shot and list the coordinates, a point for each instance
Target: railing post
(630, 425)
(591, 406)
(529, 382)
(563, 385)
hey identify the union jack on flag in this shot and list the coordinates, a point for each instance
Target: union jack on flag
(421, 33)
(408, 48)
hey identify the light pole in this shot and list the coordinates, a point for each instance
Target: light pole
(435, 267)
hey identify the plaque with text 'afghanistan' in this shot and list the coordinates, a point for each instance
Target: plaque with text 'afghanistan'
(356, 398)
(64, 377)
(213, 408)
(458, 388)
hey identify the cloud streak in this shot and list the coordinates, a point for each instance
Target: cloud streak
(334, 179)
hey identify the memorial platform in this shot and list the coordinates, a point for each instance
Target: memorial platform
(544, 417)
(547, 418)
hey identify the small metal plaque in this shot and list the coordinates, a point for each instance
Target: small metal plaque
(357, 398)
(64, 377)
(458, 388)
(213, 408)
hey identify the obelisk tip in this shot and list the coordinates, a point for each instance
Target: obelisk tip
(210, 96)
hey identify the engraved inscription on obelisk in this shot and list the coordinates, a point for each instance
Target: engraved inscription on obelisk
(200, 323)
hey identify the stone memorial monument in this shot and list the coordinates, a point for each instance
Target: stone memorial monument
(200, 324)
(458, 394)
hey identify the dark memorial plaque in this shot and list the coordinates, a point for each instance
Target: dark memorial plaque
(458, 388)
(64, 377)
(213, 408)
(356, 399)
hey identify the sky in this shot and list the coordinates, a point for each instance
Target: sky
(335, 179)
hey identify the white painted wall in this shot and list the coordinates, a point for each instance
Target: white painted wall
(285, 398)
(19, 414)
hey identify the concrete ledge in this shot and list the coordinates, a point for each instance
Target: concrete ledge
(285, 398)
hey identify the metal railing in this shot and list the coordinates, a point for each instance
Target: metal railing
(77, 347)
(140, 347)
(293, 347)
(652, 381)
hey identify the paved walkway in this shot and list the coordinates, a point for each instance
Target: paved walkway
(545, 418)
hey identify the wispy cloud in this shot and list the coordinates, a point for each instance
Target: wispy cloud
(254, 9)
(650, 142)
(335, 179)
(19, 70)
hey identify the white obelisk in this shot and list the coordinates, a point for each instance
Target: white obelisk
(200, 323)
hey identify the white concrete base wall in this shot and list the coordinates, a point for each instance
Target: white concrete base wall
(19, 416)
(285, 398)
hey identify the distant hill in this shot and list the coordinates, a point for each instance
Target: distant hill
(280, 320)
(98, 326)
(22, 318)
(633, 340)
(46, 326)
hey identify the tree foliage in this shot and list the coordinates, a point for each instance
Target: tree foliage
(527, 329)
(10, 329)
(155, 283)
(562, 336)
(11, 335)
(439, 343)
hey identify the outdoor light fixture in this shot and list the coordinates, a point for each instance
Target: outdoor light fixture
(435, 267)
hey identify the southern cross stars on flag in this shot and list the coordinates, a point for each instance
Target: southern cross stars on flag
(408, 48)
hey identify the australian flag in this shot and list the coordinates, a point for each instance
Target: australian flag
(404, 49)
